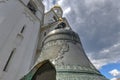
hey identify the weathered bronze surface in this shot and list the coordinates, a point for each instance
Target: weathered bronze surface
(42, 71)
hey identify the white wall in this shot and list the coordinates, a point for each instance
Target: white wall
(13, 16)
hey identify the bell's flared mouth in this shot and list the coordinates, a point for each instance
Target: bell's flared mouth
(44, 70)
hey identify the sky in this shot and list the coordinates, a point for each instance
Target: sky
(98, 24)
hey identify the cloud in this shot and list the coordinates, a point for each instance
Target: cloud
(1, 19)
(113, 79)
(66, 11)
(98, 63)
(115, 72)
(106, 56)
(59, 2)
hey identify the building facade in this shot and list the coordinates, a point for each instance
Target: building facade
(20, 22)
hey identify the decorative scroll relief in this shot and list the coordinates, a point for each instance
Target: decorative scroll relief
(55, 50)
(54, 43)
(64, 48)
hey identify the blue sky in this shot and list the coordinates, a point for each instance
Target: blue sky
(105, 70)
(98, 24)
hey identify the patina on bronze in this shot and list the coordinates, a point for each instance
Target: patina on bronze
(42, 71)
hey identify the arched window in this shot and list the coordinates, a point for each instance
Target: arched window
(32, 8)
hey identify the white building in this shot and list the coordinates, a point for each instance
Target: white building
(20, 22)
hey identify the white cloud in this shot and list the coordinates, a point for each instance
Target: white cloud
(106, 56)
(59, 2)
(66, 11)
(48, 4)
(115, 72)
(98, 63)
(93, 5)
(113, 79)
